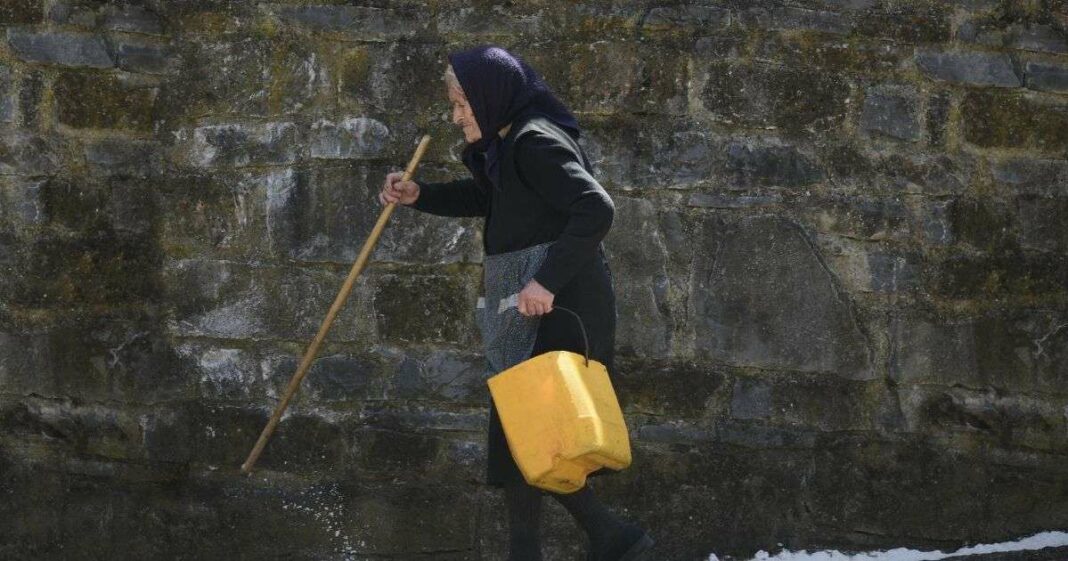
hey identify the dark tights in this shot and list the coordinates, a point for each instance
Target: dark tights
(603, 528)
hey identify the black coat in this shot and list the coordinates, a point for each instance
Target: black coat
(546, 193)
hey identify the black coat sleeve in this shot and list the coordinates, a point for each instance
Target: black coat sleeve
(462, 197)
(555, 171)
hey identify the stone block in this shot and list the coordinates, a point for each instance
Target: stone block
(1002, 120)
(145, 58)
(425, 308)
(30, 92)
(1043, 223)
(866, 218)
(441, 375)
(824, 403)
(1046, 77)
(21, 12)
(644, 324)
(101, 101)
(363, 23)
(1007, 273)
(795, 99)
(791, 18)
(713, 200)
(226, 214)
(611, 76)
(122, 156)
(1040, 38)
(976, 68)
(24, 202)
(103, 267)
(750, 165)
(894, 273)
(371, 78)
(985, 225)
(1031, 176)
(678, 389)
(891, 114)
(217, 78)
(671, 20)
(222, 373)
(7, 98)
(131, 19)
(906, 22)
(301, 79)
(383, 454)
(648, 155)
(238, 145)
(355, 138)
(62, 48)
(773, 308)
(1001, 420)
(331, 378)
(81, 431)
(232, 301)
(938, 107)
(23, 153)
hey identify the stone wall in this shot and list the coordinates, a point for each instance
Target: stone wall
(840, 251)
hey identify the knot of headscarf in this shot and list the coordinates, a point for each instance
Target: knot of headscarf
(502, 89)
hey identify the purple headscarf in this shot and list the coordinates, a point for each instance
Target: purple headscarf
(502, 89)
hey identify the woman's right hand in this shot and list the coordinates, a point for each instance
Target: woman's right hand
(395, 190)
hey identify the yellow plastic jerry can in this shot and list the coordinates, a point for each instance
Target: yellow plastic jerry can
(561, 419)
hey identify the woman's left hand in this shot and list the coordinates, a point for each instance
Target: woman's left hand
(535, 299)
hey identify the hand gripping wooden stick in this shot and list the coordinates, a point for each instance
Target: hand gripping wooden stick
(309, 355)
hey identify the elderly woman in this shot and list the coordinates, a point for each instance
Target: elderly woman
(545, 217)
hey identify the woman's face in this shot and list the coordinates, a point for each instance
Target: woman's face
(463, 116)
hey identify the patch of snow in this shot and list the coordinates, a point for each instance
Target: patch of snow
(1038, 541)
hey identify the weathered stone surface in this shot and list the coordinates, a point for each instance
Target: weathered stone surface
(793, 99)
(132, 19)
(231, 301)
(1043, 223)
(355, 22)
(644, 324)
(1042, 38)
(1046, 77)
(23, 153)
(93, 101)
(7, 99)
(425, 308)
(607, 77)
(1001, 420)
(911, 22)
(67, 49)
(217, 78)
(807, 325)
(447, 376)
(1013, 121)
(789, 17)
(976, 68)
(241, 145)
(775, 166)
(860, 217)
(123, 156)
(21, 12)
(652, 155)
(356, 137)
(839, 261)
(146, 58)
(891, 114)
(1032, 176)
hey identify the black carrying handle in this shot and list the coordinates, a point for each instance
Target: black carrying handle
(585, 339)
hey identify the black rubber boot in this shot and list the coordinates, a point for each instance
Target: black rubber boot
(524, 521)
(610, 538)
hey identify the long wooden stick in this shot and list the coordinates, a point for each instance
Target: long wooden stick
(343, 295)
